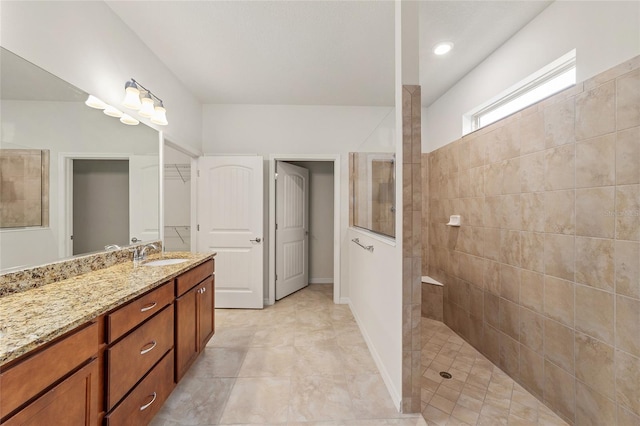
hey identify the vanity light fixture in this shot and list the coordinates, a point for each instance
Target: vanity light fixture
(94, 102)
(442, 48)
(129, 120)
(148, 105)
(112, 111)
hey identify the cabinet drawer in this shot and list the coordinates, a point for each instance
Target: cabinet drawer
(135, 312)
(190, 278)
(132, 357)
(33, 375)
(74, 401)
(146, 399)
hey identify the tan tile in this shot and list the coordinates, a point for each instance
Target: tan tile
(595, 162)
(464, 414)
(559, 212)
(476, 181)
(442, 403)
(558, 344)
(627, 264)
(593, 408)
(503, 143)
(559, 255)
(532, 133)
(258, 400)
(510, 247)
(315, 398)
(559, 389)
(627, 212)
(510, 283)
(628, 381)
(531, 326)
(493, 178)
(510, 218)
(220, 362)
(491, 343)
(267, 362)
(593, 212)
(509, 316)
(434, 415)
(511, 176)
(628, 156)
(493, 211)
(532, 172)
(532, 251)
(626, 417)
(559, 300)
(594, 363)
(532, 290)
(492, 309)
(559, 165)
(628, 100)
(559, 121)
(594, 262)
(596, 112)
(594, 313)
(322, 359)
(370, 397)
(531, 366)
(628, 325)
(532, 211)
(509, 356)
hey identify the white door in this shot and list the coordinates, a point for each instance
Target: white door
(230, 221)
(292, 229)
(144, 193)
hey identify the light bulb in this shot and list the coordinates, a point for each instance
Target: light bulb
(94, 102)
(160, 116)
(146, 110)
(129, 120)
(132, 96)
(443, 48)
(112, 111)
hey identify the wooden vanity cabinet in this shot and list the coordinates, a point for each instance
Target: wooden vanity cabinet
(195, 324)
(58, 382)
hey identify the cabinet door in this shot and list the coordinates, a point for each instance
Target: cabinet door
(72, 402)
(186, 345)
(206, 303)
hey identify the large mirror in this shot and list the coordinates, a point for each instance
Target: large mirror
(99, 179)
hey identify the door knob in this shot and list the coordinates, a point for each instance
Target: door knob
(134, 240)
(257, 240)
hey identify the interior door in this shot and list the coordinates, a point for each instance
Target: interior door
(230, 222)
(143, 198)
(292, 229)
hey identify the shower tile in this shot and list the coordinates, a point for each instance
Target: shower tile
(532, 251)
(509, 356)
(532, 172)
(531, 329)
(595, 162)
(558, 123)
(628, 100)
(594, 313)
(559, 300)
(559, 255)
(627, 212)
(596, 111)
(532, 290)
(509, 318)
(592, 407)
(559, 212)
(594, 363)
(628, 381)
(627, 259)
(594, 212)
(628, 156)
(493, 178)
(559, 390)
(559, 165)
(557, 345)
(595, 263)
(532, 133)
(628, 325)
(532, 211)
(510, 247)
(511, 214)
(510, 283)
(511, 176)
(626, 417)
(531, 370)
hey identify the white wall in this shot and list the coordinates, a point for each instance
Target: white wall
(604, 34)
(88, 45)
(293, 129)
(60, 127)
(320, 220)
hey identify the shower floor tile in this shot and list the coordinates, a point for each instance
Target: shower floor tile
(478, 393)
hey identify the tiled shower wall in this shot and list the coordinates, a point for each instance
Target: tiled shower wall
(543, 275)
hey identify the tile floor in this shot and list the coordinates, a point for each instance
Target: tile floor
(479, 393)
(301, 361)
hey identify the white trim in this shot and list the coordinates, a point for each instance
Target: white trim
(335, 158)
(395, 395)
(320, 280)
(161, 188)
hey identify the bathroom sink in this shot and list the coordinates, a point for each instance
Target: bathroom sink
(164, 262)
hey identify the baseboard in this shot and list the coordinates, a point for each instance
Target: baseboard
(320, 280)
(346, 301)
(393, 392)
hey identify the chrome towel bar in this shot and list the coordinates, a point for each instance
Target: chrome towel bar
(357, 241)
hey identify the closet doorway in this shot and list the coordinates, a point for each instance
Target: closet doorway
(177, 200)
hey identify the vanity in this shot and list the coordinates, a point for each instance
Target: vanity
(104, 347)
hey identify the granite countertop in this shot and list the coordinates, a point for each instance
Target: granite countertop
(34, 317)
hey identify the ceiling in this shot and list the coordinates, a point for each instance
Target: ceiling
(315, 52)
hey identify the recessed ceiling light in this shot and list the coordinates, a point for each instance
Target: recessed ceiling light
(443, 48)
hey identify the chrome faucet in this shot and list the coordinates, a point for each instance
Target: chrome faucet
(142, 252)
(112, 247)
